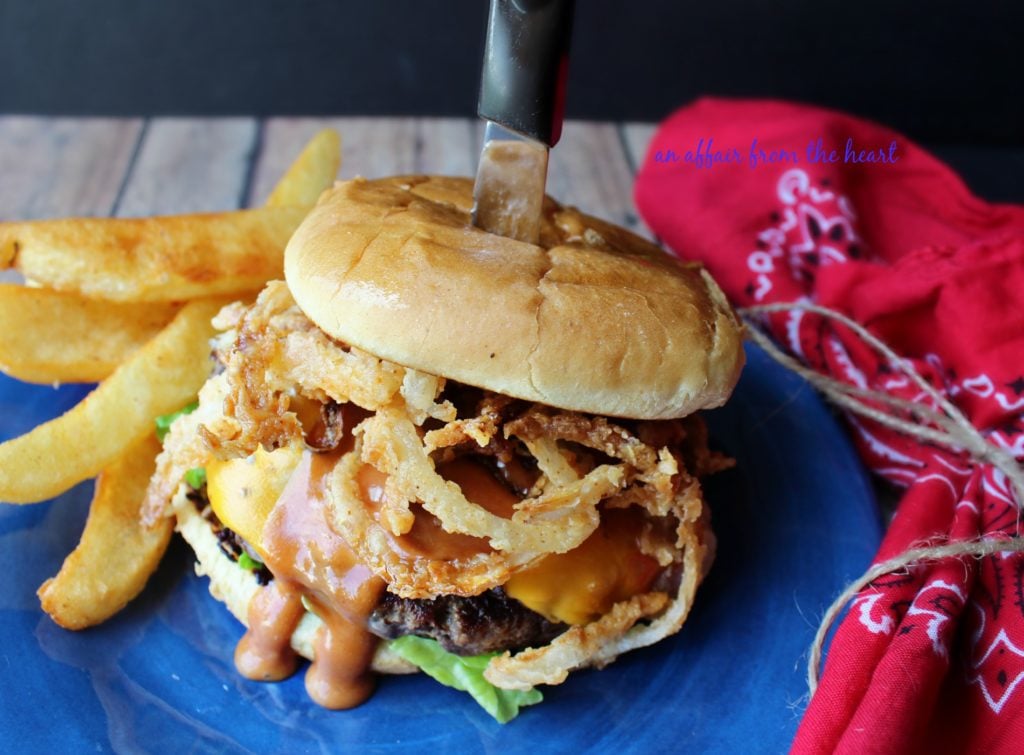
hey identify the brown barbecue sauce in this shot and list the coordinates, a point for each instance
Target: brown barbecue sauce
(308, 557)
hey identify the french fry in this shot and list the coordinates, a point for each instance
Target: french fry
(168, 258)
(159, 378)
(313, 171)
(53, 337)
(116, 554)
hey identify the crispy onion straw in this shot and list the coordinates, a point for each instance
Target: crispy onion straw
(410, 576)
(555, 522)
(618, 631)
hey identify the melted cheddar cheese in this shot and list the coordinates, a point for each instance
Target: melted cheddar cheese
(243, 492)
(583, 584)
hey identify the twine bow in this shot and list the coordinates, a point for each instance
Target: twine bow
(947, 427)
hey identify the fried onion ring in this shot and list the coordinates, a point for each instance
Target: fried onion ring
(555, 522)
(410, 577)
(576, 647)
(618, 631)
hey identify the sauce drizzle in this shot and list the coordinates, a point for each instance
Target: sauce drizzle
(308, 557)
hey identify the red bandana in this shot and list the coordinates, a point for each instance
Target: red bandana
(785, 203)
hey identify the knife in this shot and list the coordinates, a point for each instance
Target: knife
(522, 98)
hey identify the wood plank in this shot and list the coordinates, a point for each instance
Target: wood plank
(56, 167)
(281, 141)
(445, 146)
(636, 137)
(371, 147)
(589, 168)
(190, 165)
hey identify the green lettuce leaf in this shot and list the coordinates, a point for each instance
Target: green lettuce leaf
(249, 563)
(196, 477)
(465, 673)
(163, 423)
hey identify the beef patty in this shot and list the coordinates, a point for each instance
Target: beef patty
(489, 622)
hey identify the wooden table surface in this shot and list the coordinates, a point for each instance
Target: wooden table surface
(56, 167)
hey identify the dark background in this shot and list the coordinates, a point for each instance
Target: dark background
(939, 71)
(950, 74)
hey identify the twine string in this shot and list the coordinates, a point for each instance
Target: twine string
(947, 426)
(977, 548)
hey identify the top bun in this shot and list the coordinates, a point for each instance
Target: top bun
(594, 319)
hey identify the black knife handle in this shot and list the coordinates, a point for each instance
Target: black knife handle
(526, 59)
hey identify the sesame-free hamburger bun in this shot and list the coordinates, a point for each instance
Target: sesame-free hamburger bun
(594, 319)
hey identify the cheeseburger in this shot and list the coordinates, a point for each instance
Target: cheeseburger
(437, 448)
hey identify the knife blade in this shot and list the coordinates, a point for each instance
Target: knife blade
(509, 191)
(522, 93)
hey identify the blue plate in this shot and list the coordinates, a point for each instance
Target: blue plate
(795, 520)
